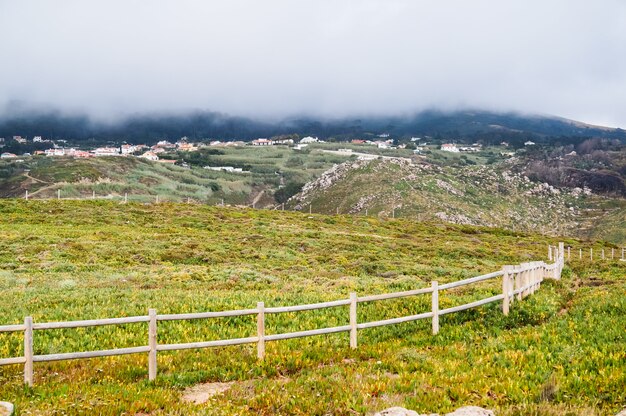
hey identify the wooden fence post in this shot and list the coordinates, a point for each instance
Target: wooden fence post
(28, 351)
(157, 199)
(612, 253)
(93, 194)
(58, 194)
(353, 320)
(516, 280)
(591, 253)
(603, 253)
(152, 342)
(580, 253)
(549, 252)
(126, 197)
(337, 210)
(435, 306)
(27, 195)
(310, 208)
(260, 330)
(506, 289)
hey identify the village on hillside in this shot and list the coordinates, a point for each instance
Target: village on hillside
(60, 148)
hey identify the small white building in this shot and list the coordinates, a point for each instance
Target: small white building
(309, 139)
(262, 142)
(450, 147)
(106, 151)
(150, 156)
(529, 143)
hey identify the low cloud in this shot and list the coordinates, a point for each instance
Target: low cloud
(281, 58)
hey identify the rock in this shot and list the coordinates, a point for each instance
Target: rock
(397, 411)
(463, 411)
(471, 411)
(6, 409)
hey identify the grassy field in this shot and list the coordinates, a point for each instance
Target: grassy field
(561, 351)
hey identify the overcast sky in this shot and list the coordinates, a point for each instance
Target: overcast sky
(327, 58)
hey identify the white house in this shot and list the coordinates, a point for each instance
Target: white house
(449, 147)
(529, 143)
(7, 155)
(262, 142)
(106, 151)
(309, 139)
(150, 156)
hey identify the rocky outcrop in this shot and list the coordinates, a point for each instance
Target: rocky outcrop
(6, 409)
(463, 411)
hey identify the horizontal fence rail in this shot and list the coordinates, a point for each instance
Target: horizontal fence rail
(518, 282)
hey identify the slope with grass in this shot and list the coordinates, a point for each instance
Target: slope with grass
(142, 180)
(561, 350)
(488, 195)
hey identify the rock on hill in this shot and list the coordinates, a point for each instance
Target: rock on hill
(490, 196)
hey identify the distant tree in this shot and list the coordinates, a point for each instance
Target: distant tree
(286, 192)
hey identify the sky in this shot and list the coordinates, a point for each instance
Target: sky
(328, 58)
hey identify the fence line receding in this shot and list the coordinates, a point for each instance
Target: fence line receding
(518, 282)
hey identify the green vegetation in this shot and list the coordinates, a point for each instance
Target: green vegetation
(560, 351)
(142, 180)
(495, 196)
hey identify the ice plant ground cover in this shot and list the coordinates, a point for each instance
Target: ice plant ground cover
(562, 350)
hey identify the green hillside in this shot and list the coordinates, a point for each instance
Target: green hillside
(142, 180)
(487, 195)
(560, 351)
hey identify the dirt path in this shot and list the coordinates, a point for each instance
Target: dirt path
(257, 198)
(27, 174)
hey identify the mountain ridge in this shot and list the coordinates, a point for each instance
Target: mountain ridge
(465, 125)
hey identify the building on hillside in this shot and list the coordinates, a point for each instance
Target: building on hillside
(262, 142)
(529, 143)
(7, 155)
(450, 147)
(309, 139)
(383, 135)
(82, 154)
(37, 139)
(20, 139)
(128, 149)
(150, 156)
(358, 141)
(57, 151)
(185, 147)
(106, 151)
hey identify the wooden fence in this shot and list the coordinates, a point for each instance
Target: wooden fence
(588, 253)
(517, 282)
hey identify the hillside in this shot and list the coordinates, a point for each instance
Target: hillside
(488, 195)
(470, 125)
(142, 180)
(558, 352)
